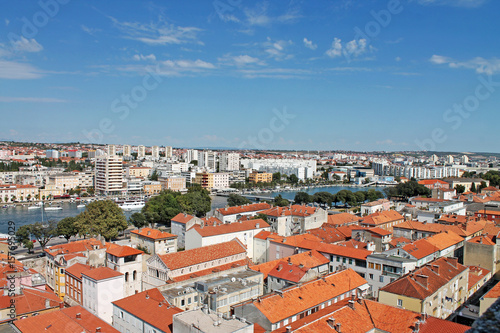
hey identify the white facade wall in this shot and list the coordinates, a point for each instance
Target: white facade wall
(229, 162)
(98, 295)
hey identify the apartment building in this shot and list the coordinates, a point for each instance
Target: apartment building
(151, 187)
(128, 261)
(437, 289)
(385, 220)
(208, 160)
(232, 214)
(179, 224)
(111, 150)
(127, 151)
(141, 151)
(375, 206)
(74, 288)
(154, 240)
(16, 192)
(303, 169)
(85, 178)
(212, 181)
(203, 235)
(155, 152)
(108, 174)
(229, 162)
(260, 177)
(64, 181)
(173, 183)
(295, 219)
(139, 172)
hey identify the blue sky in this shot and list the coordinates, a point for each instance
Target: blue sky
(357, 75)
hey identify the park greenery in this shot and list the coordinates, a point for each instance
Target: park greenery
(42, 232)
(103, 218)
(407, 190)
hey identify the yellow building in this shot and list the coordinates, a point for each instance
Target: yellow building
(151, 188)
(139, 172)
(15, 192)
(65, 182)
(436, 289)
(50, 190)
(261, 177)
(212, 181)
(173, 183)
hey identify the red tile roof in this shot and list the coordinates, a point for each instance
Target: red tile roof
(153, 234)
(31, 300)
(264, 234)
(211, 270)
(151, 307)
(229, 228)
(244, 209)
(288, 272)
(200, 255)
(77, 269)
(294, 210)
(182, 218)
(328, 234)
(296, 299)
(295, 240)
(493, 292)
(101, 273)
(438, 273)
(342, 218)
(476, 273)
(338, 250)
(309, 259)
(432, 182)
(432, 325)
(124, 251)
(481, 240)
(398, 241)
(75, 247)
(380, 218)
(445, 239)
(420, 248)
(64, 320)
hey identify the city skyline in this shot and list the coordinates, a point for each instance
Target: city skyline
(384, 76)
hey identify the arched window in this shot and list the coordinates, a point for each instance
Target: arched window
(126, 277)
(134, 275)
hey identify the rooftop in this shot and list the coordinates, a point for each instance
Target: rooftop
(153, 233)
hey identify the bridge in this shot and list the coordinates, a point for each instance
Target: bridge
(379, 183)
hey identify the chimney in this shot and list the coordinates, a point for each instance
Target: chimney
(331, 322)
(78, 315)
(338, 327)
(310, 254)
(416, 328)
(288, 329)
(257, 225)
(98, 329)
(422, 279)
(351, 304)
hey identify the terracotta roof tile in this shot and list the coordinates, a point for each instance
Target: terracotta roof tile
(476, 273)
(493, 292)
(228, 228)
(153, 233)
(309, 259)
(77, 269)
(384, 217)
(420, 248)
(432, 325)
(124, 251)
(75, 247)
(342, 218)
(294, 210)
(182, 218)
(244, 209)
(101, 273)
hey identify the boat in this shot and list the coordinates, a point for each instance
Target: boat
(80, 206)
(35, 207)
(53, 208)
(131, 204)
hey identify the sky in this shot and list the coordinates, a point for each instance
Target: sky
(317, 75)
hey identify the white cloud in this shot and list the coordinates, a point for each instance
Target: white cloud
(26, 45)
(455, 3)
(190, 64)
(139, 57)
(275, 73)
(276, 49)
(241, 60)
(397, 58)
(7, 22)
(309, 44)
(90, 31)
(6, 99)
(479, 64)
(336, 49)
(160, 33)
(17, 70)
(356, 47)
(258, 16)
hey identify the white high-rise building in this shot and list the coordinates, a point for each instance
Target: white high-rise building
(191, 155)
(155, 152)
(50, 153)
(434, 158)
(449, 159)
(229, 162)
(168, 152)
(141, 151)
(208, 159)
(108, 174)
(111, 150)
(127, 151)
(464, 159)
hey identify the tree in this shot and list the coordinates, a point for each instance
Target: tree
(372, 195)
(43, 232)
(103, 218)
(138, 220)
(237, 200)
(481, 186)
(260, 216)
(302, 198)
(407, 190)
(276, 177)
(194, 162)
(473, 187)
(154, 176)
(324, 198)
(66, 227)
(196, 202)
(23, 237)
(460, 188)
(280, 201)
(162, 208)
(360, 196)
(293, 179)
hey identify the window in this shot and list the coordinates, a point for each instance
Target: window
(381, 279)
(378, 267)
(134, 275)
(126, 277)
(189, 300)
(371, 276)
(371, 265)
(400, 302)
(338, 259)
(182, 302)
(350, 261)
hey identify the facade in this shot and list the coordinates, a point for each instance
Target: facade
(154, 240)
(16, 192)
(155, 152)
(303, 169)
(436, 289)
(101, 286)
(229, 162)
(260, 177)
(203, 235)
(200, 261)
(141, 151)
(295, 219)
(280, 309)
(74, 288)
(128, 261)
(168, 152)
(108, 175)
(382, 269)
(482, 251)
(232, 214)
(179, 224)
(151, 187)
(212, 181)
(173, 183)
(64, 181)
(111, 150)
(208, 160)
(375, 206)
(139, 172)
(127, 150)
(466, 182)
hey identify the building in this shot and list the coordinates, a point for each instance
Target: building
(191, 155)
(128, 261)
(108, 175)
(343, 219)
(484, 252)
(437, 289)
(385, 220)
(151, 187)
(208, 160)
(489, 298)
(72, 319)
(111, 150)
(261, 243)
(27, 302)
(16, 192)
(184, 265)
(204, 235)
(260, 177)
(85, 178)
(283, 308)
(203, 320)
(465, 182)
(154, 241)
(65, 181)
(50, 153)
(212, 181)
(59, 257)
(229, 162)
(127, 150)
(232, 214)
(141, 151)
(173, 183)
(295, 219)
(421, 250)
(382, 269)
(168, 152)
(147, 311)
(155, 152)
(139, 172)
(179, 224)
(375, 206)
(434, 184)
(101, 286)
(303, 169)
(74, 288)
